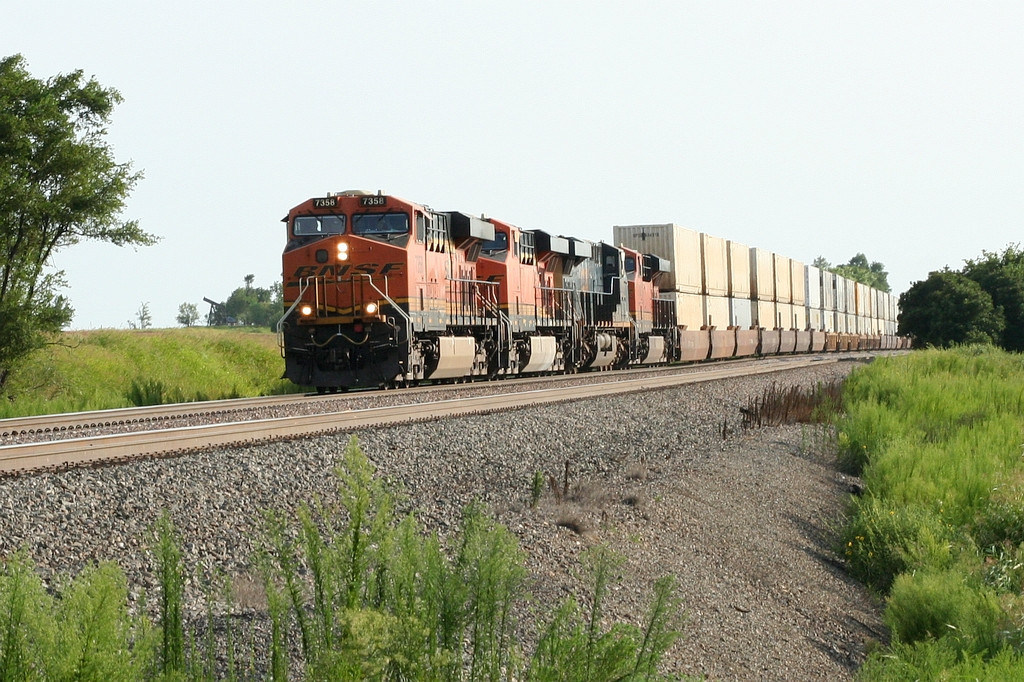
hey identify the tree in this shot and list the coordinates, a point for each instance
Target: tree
(949, 308)
(59, 185)
(188, 314)
(859, 270)
(1002, 276)
(251, 306)
(143, 320)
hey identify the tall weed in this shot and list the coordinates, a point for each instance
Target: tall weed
(938, 437)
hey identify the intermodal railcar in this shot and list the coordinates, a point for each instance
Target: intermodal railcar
(381, 291)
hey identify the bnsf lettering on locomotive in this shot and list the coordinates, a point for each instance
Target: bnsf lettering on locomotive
(347, 269)
(373, 201)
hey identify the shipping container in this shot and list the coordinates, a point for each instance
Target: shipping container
(783, 279)
(677, 244)
(764, 314)
(799, 317)
(784, 318)
(828, 320)
(716, 311)
(828, 290)
(851, 297)
(714, 254)
(739, 270)
(798, 279)
(762, 276)
(740, 312)
(814, 319)
(689, 308)
(812, 287)
(864, 299)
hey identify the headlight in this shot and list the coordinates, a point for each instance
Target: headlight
(306, 310)
(342, 250)
(370, 308)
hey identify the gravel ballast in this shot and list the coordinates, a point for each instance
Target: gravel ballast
(667, 478)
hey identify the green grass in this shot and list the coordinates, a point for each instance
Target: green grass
(938, 437)
(353, 589)
(105, 369)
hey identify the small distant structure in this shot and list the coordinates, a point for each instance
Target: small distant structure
(216, 315)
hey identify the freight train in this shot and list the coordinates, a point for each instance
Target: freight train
(380, 292)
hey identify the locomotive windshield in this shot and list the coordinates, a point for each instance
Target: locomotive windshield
(380, 223)
(318, 225)
(499, 243)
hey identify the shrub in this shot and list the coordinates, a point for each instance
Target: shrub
(880, 541)
(941, 604)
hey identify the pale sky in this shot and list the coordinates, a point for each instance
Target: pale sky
(813, 128)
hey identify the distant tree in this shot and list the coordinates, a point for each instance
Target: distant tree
(251, 306)
(59, 185)
(949, 308)
(188, 314)
(1002, 276)
(859, 270)
(143, 320)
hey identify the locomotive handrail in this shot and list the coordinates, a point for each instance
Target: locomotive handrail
(502, 318)
(394, 306)
(303, 285)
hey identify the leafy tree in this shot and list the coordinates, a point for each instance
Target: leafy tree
(821, 263)
(949, 308)
(1002, 276)
(188, 314)
(59, 185)
(250, 306)
(860, 270)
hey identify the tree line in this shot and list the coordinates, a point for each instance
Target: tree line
(983, 302)
(247, 305)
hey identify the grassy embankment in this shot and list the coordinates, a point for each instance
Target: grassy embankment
(104, 369)
(938, 438)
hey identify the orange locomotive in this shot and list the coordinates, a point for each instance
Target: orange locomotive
(380, 291)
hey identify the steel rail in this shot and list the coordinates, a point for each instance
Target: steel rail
(71, 452)
(71, 421)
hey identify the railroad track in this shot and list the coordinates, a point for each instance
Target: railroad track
(111, 448)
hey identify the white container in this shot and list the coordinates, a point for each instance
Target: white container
(828, 290)
(812, 286)
(741, 312)
(814, 319)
